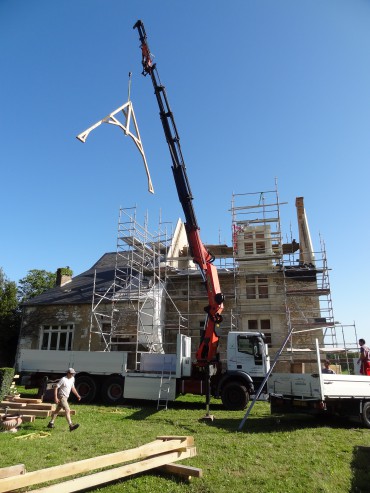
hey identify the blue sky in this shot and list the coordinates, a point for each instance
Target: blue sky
(259, 89)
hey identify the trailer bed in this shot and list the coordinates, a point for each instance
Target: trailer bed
(319, 386)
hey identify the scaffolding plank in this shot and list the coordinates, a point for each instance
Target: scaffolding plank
(308, 292)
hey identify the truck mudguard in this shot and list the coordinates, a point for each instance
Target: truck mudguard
(236, 376)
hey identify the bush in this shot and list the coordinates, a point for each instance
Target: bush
(6, 378)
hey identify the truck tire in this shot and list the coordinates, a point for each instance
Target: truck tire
(112, 390)
(366, 414)
(235, 396)
(86, 387)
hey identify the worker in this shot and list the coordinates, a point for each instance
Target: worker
(364, 358)
(327, 368)
(61, 393)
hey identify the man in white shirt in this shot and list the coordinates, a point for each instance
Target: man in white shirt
(61, 393)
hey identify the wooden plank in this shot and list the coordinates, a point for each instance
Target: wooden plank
(23, 399)
(28, 405)
(63, 413)
(181, 470)
(36, 412)
(117, 473)
(34, 405)
(6, 472)
(28, 418)
(189, 439)
(12, 404)
(87, 465)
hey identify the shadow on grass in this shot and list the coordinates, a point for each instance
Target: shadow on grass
(360, 469)
(142, 413)
(145, 408)
(275, 424)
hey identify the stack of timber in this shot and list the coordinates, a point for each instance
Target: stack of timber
(159, 455)
(29, 409)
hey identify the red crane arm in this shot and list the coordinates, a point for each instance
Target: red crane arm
(208, 349)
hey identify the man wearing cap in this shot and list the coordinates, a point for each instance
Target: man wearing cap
(61, 393)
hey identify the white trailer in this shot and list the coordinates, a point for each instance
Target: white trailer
(320, 394)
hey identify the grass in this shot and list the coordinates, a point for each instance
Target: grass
(271, 455)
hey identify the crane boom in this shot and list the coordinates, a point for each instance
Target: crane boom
(208, 349)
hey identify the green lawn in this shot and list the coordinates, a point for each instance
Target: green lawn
(271, 455)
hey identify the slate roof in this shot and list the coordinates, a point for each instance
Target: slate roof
(80, 289)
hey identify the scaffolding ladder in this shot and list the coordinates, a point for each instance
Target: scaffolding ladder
(165, 384)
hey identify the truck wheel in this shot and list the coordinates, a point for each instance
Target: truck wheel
(366, 414)
(235, 396)
(87, 388)
(112, 390)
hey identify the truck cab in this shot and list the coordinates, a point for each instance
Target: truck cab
(247, 351)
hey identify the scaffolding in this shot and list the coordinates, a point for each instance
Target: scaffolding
(280, 286)
(129, 314)
(156, 291)
(260, 302)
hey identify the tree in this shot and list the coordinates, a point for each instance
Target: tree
(9, 320)
(34, 283)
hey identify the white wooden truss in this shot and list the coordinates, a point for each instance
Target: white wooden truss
(128, 112)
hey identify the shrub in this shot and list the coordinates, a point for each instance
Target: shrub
(6, 378)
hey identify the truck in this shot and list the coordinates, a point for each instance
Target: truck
(320, 394)
(161, 378)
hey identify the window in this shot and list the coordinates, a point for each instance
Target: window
(266, 330)
(255, 243)
(56, 337)
(263, 326)
(245, 345)
(263, 291)
(251, 288)
(256, 287)
(260, 243)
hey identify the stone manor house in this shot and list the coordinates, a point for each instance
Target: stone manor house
(138, 298)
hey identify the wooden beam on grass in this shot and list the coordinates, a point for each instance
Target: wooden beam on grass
(62, 412)
(23, 399)
(181, 470)
(28, 405)
(117, 473)
(178, 445)
(12, 404)
(11, 471)
(28, 418)
(41, 413)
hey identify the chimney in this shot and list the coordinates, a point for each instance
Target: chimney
(64, 276)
